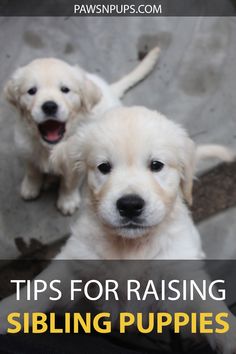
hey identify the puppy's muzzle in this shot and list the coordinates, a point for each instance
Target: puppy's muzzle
(51, 129)
(50, 108)
(130, 206)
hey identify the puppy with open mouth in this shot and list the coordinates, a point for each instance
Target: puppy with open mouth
(52, 99)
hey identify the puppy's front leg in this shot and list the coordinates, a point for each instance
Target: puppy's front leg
(69, 196)
(32, 182)
(63, 165)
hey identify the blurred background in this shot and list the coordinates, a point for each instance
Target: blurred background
(194, 83)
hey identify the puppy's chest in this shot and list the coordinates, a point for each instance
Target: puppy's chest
(131, 249)
(43, 161)
(32, 151)
(129, 275)
(41, 157)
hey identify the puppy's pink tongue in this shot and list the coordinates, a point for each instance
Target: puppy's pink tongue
(52, 135)
(52, 131)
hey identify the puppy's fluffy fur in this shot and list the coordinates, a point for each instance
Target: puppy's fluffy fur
(151, 157)
(52, 98)
(129, 140)
(133, 152)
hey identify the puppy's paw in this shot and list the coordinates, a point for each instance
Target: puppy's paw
(68, 203)
(30, 189)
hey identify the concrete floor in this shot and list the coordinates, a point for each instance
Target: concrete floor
(194, 84)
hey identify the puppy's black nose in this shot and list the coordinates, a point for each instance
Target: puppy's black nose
(130, 205)
(50, 108)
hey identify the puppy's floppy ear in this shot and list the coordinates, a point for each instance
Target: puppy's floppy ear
(11, 88)
(188, 166)
(91, 94)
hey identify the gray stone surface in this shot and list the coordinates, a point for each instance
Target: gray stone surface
(194, 84)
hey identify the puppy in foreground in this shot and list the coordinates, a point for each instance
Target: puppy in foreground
(52, 98)
(138, 169)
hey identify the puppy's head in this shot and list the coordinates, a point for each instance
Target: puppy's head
(50, 94)
(137, 162)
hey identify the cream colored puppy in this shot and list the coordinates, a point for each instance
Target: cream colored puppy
(139, 172)
(52, 98)
(138, 168)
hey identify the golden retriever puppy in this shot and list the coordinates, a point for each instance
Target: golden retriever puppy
(138, 168)
(52, 98)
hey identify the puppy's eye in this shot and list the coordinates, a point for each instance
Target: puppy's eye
(104, 168)
(156, 166)
(65, 89)
(32, 91)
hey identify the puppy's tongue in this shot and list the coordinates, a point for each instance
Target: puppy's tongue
(52, 131)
